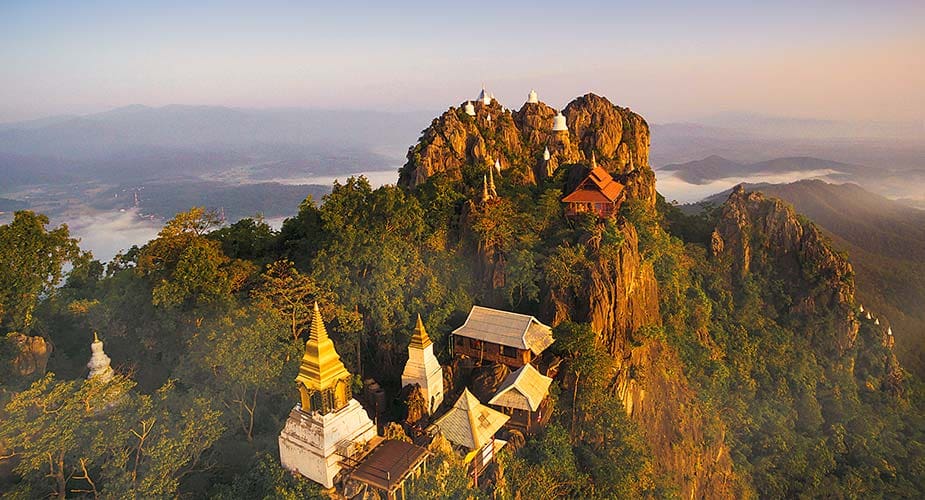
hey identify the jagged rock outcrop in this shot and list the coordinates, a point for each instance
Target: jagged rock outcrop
(618, 296)
(756, 229)
(454, 140)
(30, 354)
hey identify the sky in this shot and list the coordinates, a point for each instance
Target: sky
(671, 61)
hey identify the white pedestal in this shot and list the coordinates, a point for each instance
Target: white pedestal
(308, 442)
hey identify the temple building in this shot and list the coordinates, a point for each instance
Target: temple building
(597, 193)
(423, 368)
(388, 468)
(502, 337)
(471, 426)
(99, 364)
(328, 425)
(524, 396)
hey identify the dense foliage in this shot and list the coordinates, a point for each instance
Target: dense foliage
(206, 326)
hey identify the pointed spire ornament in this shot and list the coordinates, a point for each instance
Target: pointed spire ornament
(485, 195)
(861, 308)
(889, 331)
(498, 166)
(321, 368)
(546, 155)
(419, 337)
(877, 321)
(869, 316)
(492, 193)
(593, 161)
(99, 364)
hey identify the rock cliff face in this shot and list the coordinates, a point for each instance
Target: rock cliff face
(618, 296)
(618, 137)
(755, 229)
(31, 354)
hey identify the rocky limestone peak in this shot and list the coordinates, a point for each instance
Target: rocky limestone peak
(454, 140)
(757, 230)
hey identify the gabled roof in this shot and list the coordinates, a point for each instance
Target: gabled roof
(523, 389)
(388, 464)
(506, 328)
(469, 423)
(598, 186)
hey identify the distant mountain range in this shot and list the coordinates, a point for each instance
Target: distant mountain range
(716, 167)
(885, 241)
(140, 142)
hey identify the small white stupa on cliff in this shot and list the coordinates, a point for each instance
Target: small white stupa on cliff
(99, 364)
(558, 123)
(532, 98)
(470, 109)
(423, 368)
(485, 97)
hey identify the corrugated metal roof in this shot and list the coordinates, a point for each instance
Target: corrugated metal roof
(506, 328)
(469, 423)
(523, 389)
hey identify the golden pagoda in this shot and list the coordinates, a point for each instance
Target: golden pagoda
(324, 383)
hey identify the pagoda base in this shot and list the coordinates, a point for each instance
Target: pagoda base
(314, 445)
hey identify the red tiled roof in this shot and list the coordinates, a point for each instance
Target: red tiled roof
(597, 187)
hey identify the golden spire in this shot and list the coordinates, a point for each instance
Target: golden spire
(420, 339)
(321, 367)
(95, 337)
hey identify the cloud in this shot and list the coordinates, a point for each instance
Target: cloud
(107, 233)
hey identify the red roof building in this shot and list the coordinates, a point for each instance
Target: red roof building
(597, 193)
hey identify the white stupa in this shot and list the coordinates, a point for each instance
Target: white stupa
(488, 118)
(889, 331)
(470, 109)
(532, 98)
(99, 364)
(484, 97)
(877, 321)
(558, 123)
(423, 368)
(861, 308)
(869, 316)
(498, 166)
(546, 155)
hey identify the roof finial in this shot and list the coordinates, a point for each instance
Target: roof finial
(419, 337)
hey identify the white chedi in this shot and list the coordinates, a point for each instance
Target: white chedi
(485, 97)
(532, 98)
(470, 109)
(558, 123)
(861, 308)
(877, 321)
(889, 331)
(99, 364)
(546, 155)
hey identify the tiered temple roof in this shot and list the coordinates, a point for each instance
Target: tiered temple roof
(597, 187)
(321, 368)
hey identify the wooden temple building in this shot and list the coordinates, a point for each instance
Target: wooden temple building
(471, 426)
(504, 337)
(389, 466)
(524, 396)
(597, 193)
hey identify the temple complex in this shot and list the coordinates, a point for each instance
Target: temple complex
(423, 368)
(328, 425)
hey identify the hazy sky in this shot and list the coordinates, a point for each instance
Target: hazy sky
(838, 59)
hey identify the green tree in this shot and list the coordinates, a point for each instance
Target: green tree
(32, 260)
